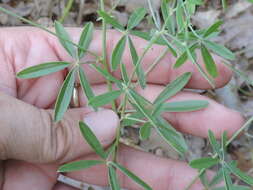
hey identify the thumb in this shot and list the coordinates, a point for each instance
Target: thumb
(30, 134)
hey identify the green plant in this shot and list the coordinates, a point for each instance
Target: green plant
(174, 31)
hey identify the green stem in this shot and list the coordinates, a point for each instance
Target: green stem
(66, 10)
(104, 52)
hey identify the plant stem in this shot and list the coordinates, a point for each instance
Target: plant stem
(104, 52)
(66, 10)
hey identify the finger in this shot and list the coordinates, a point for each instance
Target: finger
(43, 47)
(164, 69)
(148, 167)
(215, 117)
(33, 135)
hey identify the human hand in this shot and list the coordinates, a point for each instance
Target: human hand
(34, 146)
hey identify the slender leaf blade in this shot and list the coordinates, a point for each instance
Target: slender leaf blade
(136, 17)
(131, 176)
(85, 39)
(117, 53)
(85, 85)
(113, 178)
(219, 50)
(42, 69)
(184, 56)
(213, 28)
(173, 88)
(65, 39)
(209, 62)
(64, 96)
(184, 106)
(215, 145)
(139, 71)
(204, 163)
(79, 165)
(105, 98)
(91, 139)
(110, 20)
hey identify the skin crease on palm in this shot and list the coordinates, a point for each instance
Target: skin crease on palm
(33, 146)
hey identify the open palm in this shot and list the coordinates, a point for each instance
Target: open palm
(34, 146)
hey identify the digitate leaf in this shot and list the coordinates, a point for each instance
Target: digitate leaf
(209, 62)
(79, 165)
(105, 98)
(85, 39)
(114, 184)
(139, 71)
(213, 28)
(65, 39)
(91, 139)
(131, 176)
(136, 17)
(145, 131)
(219, 50)
(110, 20)
(184, 106)
(117, 53)
(173, 88)
(64, 96)
(42, 69)
(204, 163)
(85, 84)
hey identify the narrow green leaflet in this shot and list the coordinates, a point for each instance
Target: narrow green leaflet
(168, 19)
(213, 28)
(42, 69)
(92, 140)
(234, 187)
(64, 96)
(79, 165)
(243, 176)
(110, 20)
(85, 39)
(227, 178)
(204, 163)
(224, 140)
(209, 62)
(124, 74)
(171, 136)
(139, 71)
(85, 84)
(117, 53)
(183, 58)
(114, 182)
(219, 49)
(105, 98)
(179, 17)
(131, 176)
(105, 73)
(136, 17)
(145, 131)
(173, 88)
(65, 39)
(215, 145)
(184, 106)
